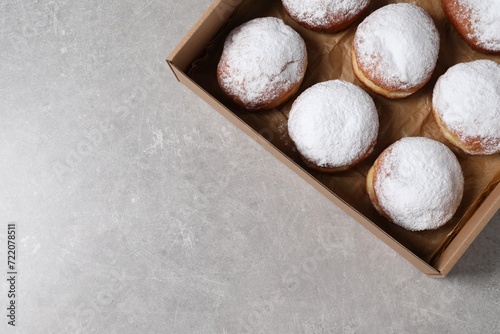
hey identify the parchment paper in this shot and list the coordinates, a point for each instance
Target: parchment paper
(329, 58)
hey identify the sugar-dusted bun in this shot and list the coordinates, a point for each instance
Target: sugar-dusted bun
(417, 183)
(477, 22)
(466, 105)
(325, 15)
(263, 64)
(395, 50)
(334, 125)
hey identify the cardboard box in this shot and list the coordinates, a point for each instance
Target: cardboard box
(434, 253)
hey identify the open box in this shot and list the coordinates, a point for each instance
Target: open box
(194, 63)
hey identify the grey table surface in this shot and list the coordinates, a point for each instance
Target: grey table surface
(141, 210)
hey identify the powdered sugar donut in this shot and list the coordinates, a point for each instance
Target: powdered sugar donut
(466, 105)
(263, 64)
(395, 50)
(334, 125)
(417, 183)
(325, 15)
(477, 22)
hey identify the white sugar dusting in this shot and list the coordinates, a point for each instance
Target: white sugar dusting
(323, 13)
(467, 99)
(419, 183)
(333, 123)
(399, 43)
(262, 58)
(485, 21)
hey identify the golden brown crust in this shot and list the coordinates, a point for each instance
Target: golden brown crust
(371, 179)
(370, 188)
(461, 21)
(377, 86)
(341, 168)
(338, 23)
(282, 95)
(471, 146)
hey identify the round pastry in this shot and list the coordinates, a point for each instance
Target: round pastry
(466, 105)
(395, 50)
(263, 64)
(417, 183)
(334, 125)
(325, 15)
(477, 22)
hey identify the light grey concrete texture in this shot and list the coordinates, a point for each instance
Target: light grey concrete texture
(139, 209)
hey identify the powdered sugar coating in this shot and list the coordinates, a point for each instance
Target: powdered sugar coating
(334, 124)
(322, 14)
(398, 46)
(484, 16)
(419, 183)
(261, 59)
(467, 99)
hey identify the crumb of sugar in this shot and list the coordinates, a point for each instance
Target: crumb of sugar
(399, 43)
(322, 13)
(467, 99)
(485, 21)
(333, 123)
(419, 183)
(263, 57)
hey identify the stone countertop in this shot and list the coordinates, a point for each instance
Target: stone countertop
(139, 209)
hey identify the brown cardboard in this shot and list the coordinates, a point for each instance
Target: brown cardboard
(434, 252)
